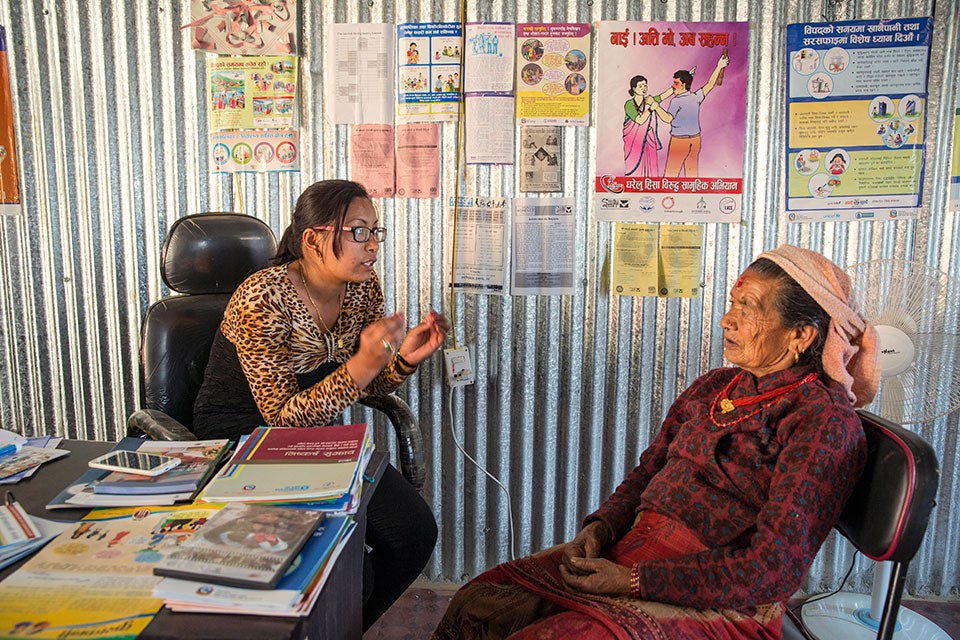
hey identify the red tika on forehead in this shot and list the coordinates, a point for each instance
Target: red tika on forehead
(739, 283)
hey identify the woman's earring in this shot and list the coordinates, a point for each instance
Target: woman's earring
(796, 356)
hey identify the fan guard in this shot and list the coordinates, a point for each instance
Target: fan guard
(916, 310)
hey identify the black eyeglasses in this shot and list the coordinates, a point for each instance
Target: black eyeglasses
(361, 234)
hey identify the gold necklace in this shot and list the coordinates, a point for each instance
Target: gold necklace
(328, 335)
(727, 405)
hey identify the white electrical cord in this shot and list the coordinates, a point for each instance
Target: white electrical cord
(489, 475)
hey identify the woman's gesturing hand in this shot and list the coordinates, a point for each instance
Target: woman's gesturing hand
(425, 338)
(378, 344)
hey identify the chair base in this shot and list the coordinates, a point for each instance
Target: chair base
(836, 617)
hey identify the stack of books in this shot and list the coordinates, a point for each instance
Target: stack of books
(317, 466)
(100, 488)
(215, 591)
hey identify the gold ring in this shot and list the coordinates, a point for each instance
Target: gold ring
(388, 347)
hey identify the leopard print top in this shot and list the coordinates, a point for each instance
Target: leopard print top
(276, 338)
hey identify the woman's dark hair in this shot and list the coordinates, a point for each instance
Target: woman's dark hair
(322, 204)
(634, 81)
(796, 308)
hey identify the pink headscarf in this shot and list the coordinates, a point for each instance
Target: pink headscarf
(850, 349)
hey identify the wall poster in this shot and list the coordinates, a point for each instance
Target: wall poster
(671, 119)
(954, 198)
(9, 175)
(553, 74)
(856, 109)
(428, 75)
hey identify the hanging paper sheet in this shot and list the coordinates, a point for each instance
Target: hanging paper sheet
(671, 119)
(243, 27)
(481, 244)
(856, 109)
(358, 63)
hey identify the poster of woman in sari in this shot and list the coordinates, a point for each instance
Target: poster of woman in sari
(671, 120)
(641, 132)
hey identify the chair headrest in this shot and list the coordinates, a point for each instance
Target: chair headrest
(215, 252)
(887, 514)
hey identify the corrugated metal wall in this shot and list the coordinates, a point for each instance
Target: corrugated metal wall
(111, 128)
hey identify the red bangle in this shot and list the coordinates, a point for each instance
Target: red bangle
(635, 582)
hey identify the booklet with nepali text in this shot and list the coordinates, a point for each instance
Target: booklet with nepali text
(287, 465)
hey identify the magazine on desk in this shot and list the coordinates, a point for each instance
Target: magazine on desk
(41, 442)
(244, 545)
(286, 465)
(27, 457)
(95, 579)
(293, 595)
(199, 461)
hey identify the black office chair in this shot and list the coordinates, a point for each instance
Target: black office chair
(886, 516)
(204, 258)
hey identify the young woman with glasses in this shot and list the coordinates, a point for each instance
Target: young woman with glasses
(307, 337)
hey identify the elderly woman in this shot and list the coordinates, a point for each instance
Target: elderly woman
(718, 523)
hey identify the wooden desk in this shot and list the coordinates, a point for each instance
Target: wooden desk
(337, 614)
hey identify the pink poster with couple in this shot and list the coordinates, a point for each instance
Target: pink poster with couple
(671, 118)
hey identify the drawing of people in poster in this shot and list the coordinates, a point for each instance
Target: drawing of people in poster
(428, 74)
(553, 74)
(671, 119)
(856, 109)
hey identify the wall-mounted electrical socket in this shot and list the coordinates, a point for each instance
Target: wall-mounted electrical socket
(458, 366)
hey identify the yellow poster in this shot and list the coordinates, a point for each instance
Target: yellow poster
(681, 256)
(657, 260)
(635, 260)
(95, 579)
(553, 74)
(252, 92)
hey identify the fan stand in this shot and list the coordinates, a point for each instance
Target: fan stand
(855, 616)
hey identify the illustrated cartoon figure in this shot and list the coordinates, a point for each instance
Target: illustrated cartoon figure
(117, 538)
(837, 164)
(413, 56)
(683, 115)
(641, 135)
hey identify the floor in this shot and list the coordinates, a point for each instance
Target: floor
(414, 615)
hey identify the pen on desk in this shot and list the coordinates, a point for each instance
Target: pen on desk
(9, 448)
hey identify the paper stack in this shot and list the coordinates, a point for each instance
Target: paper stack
(293, 596)
(322, 466)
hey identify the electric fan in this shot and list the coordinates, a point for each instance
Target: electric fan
(916, 311)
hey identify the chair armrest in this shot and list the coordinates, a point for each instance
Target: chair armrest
(409, 439)
(156, 425)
